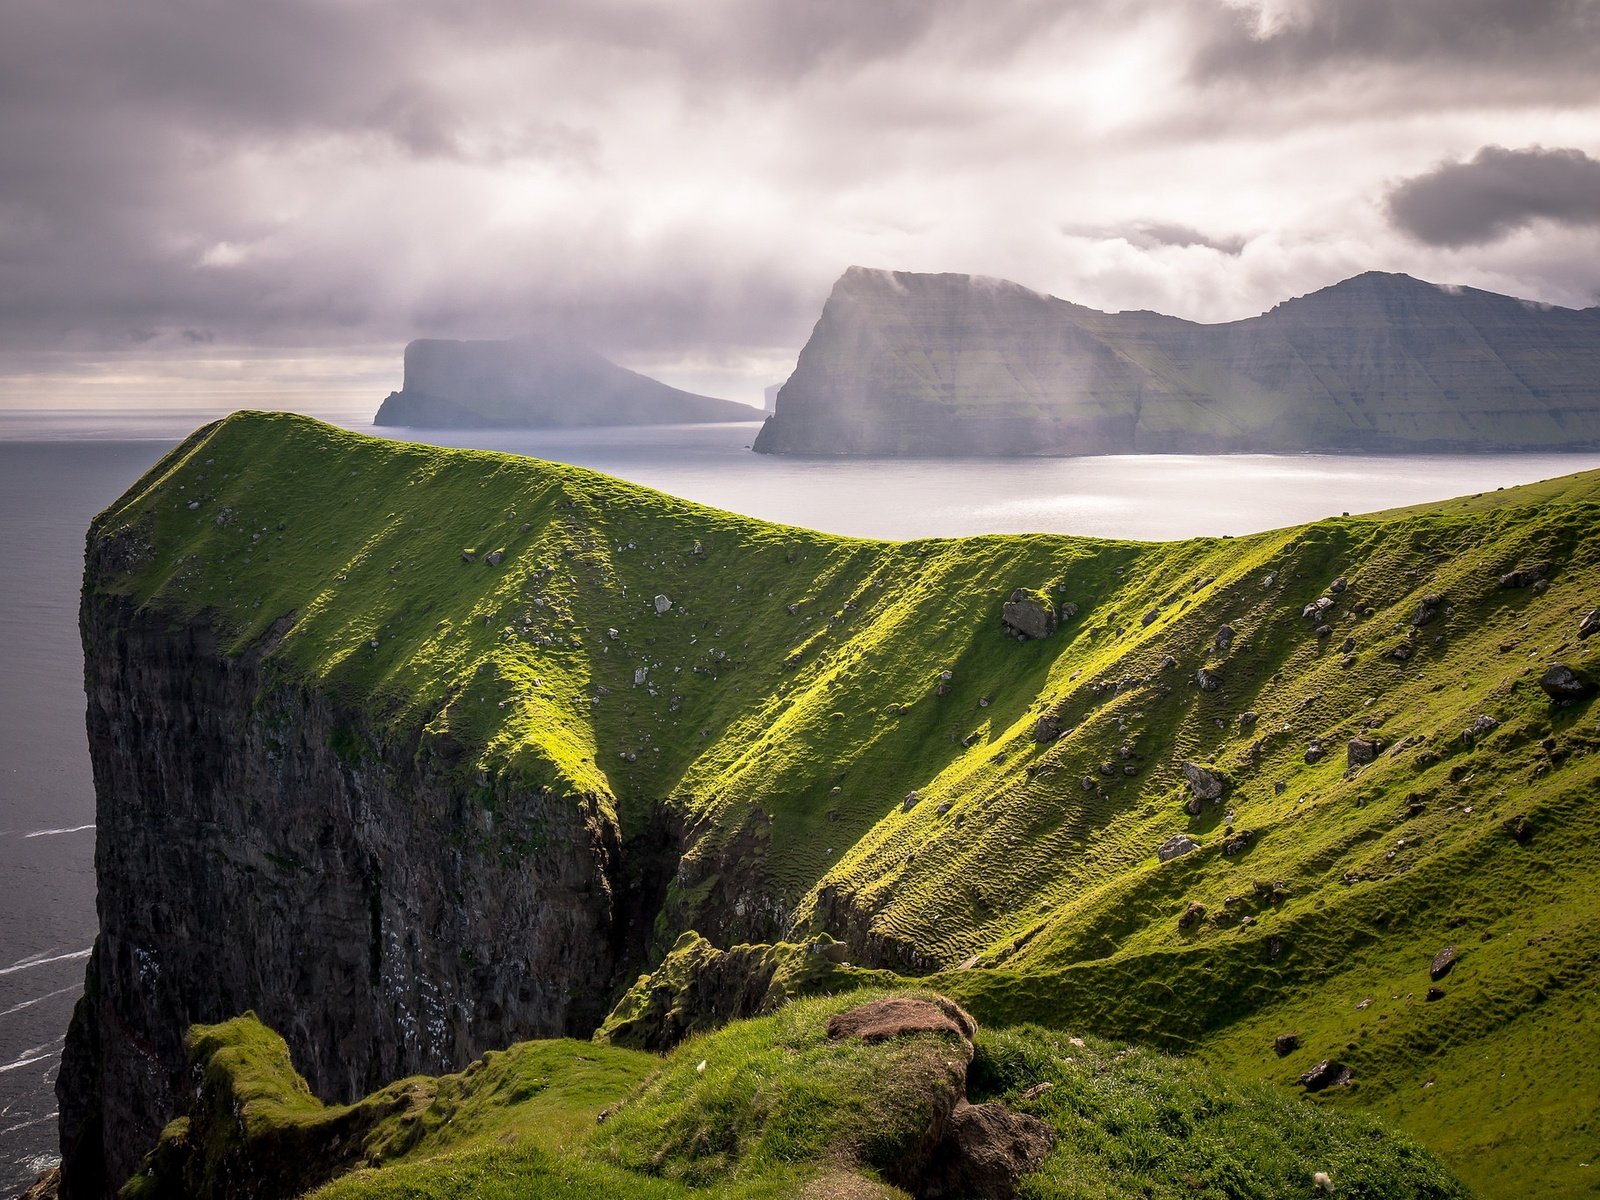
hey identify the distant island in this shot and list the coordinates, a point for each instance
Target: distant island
(959, 365)
(536, 383)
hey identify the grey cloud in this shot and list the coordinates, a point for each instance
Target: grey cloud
(1495, 193)
(1541, 39)
(1148, 235)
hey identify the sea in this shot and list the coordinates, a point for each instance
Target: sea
(57, 469)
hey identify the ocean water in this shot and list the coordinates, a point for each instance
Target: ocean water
(57, 470)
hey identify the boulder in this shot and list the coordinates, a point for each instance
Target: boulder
(897, 1016)
(1590, 624)
(495, 557)
(986, 1149)
(1046, 729)
(1024, 616)
(1338, 585)
(1204, 784)
(1316, 608)
(1285, 1044)
(1191, 916)
(1176, 846)
(1443, 962)
(1224, 638)
(1208, 679)
(1314, 753)
(1150, 618)
(1428, 609)
(1525, 576)
(1566, 685)
(1360, 751)
(1327, 1073)
(663, 604)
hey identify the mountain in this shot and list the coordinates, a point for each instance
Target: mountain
(416, 753)
(951, 365)
(535, 383)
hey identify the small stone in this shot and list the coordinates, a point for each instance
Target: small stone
(663, 604)
(1443, 963)
(1401, 653)
(1314, 753)
(1316, 608)
(1338, 585)
(1249, 718)
(1046, 729)
(910, 801)
(1208, 680)
(613, 634)
(1224, 638)
(1285, 1044)
(1324, 632)
(1588, 626)
(1434, 993)
(1150, 618)
(469, 556)
(640, 674)
(1520, 828)
(193, 504)
(494, 558)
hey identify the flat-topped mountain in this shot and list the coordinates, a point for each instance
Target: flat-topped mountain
(953, 365)
(536, 383)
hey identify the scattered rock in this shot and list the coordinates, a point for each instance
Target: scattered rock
(1324, 631)
(1208, 680)
(1024, 617)
(1566, 685)
(469, 556)
(1150, 618)
(1285, 1044)
(1087, 782)
(1434, 993)
(1590, 624)
(640, 675)
(1428, 609)
(1046, 729)
(1443, 963)
(1067, 611)
(1191, 916)
(1314, 752)
(1247, 719)
(880, 1020)
(909, 802)
(1316, 608)
(1203, 783)
(1360, 751)
(1400, 653)
(1481, 725)
(1327, 1073)
(1224, 638)
(1176, 846)
(1270, 578)
(1238, 843)
(1520, 828)
(1525, 576)
(1347, 645)
(663, 604)
(1338, 585)
(494, 558)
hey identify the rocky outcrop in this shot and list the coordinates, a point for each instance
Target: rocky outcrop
(536, 383)
(959, 365)
(384, 905)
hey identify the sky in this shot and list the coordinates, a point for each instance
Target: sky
(206, 199)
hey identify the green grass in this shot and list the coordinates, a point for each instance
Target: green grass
(793, 698)
(769, 1107)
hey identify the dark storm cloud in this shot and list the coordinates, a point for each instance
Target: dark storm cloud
(1543, 41)
(1497, 192)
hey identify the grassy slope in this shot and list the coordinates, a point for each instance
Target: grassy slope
(771, 1107)
(748, 707)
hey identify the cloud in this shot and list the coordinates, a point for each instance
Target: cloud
(1498, 191)
(673, 181)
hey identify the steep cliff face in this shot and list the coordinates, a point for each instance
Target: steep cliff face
(262, 847)
(536, 383)
(935, 365)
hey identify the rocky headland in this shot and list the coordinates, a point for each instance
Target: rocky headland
(959, 365)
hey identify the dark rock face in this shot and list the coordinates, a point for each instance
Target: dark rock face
(536, 383)
(1566, 685)
(1379, 362)
(363, 900)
